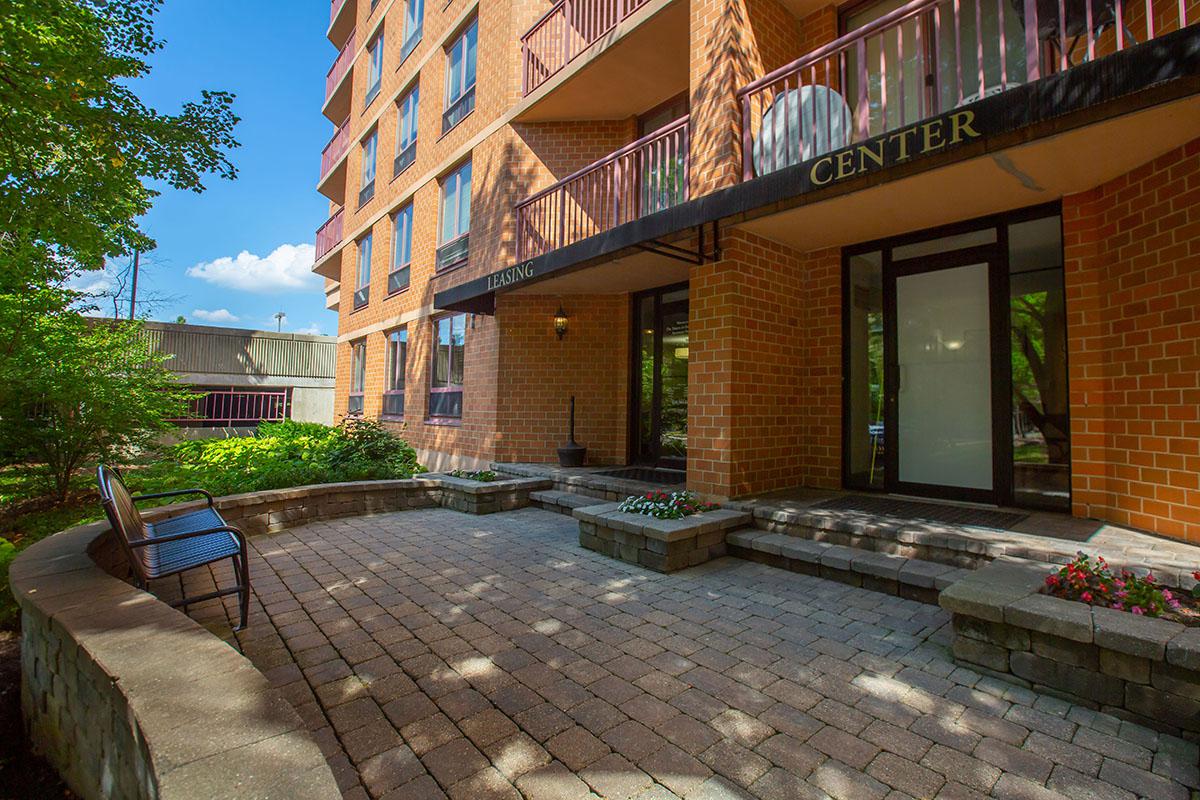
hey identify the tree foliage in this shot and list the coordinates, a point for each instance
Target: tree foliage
(80, 157)
(101, 394)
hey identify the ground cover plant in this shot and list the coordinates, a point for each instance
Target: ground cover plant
(278, 456)
(1095, 583)
(482, 475)
(666, 505)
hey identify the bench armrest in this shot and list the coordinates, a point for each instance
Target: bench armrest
(177, 493)
(175, 537)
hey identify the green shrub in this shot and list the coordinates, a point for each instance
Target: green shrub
(284, 454)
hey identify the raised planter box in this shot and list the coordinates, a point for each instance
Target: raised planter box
(1138, 668)
(663, 545)
(487, 497)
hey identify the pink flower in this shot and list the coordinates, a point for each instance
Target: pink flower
(1137, 610)
(1086, 597)
(1119, 606)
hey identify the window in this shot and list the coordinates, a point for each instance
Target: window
(460, 77)
(406, 130)
(374, 68)
(414, 16)
(397, 358)
(370, 146)
(358, 377)
(402, 233)
(446, 385)
(362, 274)
(455, 218)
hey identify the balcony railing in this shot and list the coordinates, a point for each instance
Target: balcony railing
(565, 31)
(926, 58)
(334, 8)
(329, 235)
(641, 178)
(336, 148)
(235, 408)
(341, 65)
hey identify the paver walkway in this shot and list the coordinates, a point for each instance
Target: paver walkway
(438, 654)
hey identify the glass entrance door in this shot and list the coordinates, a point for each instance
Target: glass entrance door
(955, 363)
(943, 378)
(660, 377)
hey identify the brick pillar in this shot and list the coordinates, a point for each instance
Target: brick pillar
(764, 372)
(733, 42)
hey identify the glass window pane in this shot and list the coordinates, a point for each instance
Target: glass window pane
(470, 42)
(441, 361)
(449, 206)
(1040, 410)
(945, 244)
(454, 67)
(368, 171)
(865, 341)
(363, 274)
(458, 325)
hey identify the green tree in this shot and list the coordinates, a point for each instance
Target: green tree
(80, 159)
(79, 151)
(102, 393)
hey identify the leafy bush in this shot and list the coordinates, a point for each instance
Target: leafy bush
(482, 475)
(1096, 584)
(284, 454)
(664, 505)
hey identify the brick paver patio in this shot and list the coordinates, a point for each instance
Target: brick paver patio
(437, 654)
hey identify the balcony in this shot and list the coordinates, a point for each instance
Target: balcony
(588, 59)
(332, 161)
(641, 178)
(329, 235)
(333, 294)
(565, 31)
(342, 14)
(337, 86)
(927, 58)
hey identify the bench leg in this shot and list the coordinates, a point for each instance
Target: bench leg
(243, 566)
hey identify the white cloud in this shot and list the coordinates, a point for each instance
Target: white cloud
(288, 269)
(311, 330)
(219, 315)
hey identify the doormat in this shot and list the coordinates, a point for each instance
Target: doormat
(660, 477)
(925, 512)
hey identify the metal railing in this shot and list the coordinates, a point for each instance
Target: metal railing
(329, 235)
(334, 7)
(236, 408)
(926, 58)
(641, 178)
(336, 148)
(565, 31)
(341, 65)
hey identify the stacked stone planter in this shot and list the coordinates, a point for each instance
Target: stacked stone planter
(487, 497)
(663, 545)
(1139, 668)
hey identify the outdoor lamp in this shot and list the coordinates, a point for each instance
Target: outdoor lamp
(560, 322)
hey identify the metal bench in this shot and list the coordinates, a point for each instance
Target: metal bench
(175, 545)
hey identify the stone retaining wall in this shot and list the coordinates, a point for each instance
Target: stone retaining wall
(663, 545)
(129, 698)
(1138, 668)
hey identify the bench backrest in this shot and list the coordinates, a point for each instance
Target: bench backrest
(124, 517)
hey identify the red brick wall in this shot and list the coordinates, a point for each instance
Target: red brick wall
(1132, 262)
(764, 389)
(539, 373)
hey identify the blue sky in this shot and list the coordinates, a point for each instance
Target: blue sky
(273, 55)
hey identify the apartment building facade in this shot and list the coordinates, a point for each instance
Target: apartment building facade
(948, 249)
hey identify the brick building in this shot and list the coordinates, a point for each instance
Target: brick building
(935, 248)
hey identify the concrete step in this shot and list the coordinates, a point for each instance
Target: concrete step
(562, 502)
(912, 578)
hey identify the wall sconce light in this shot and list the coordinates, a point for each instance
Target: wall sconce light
(560, 322)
